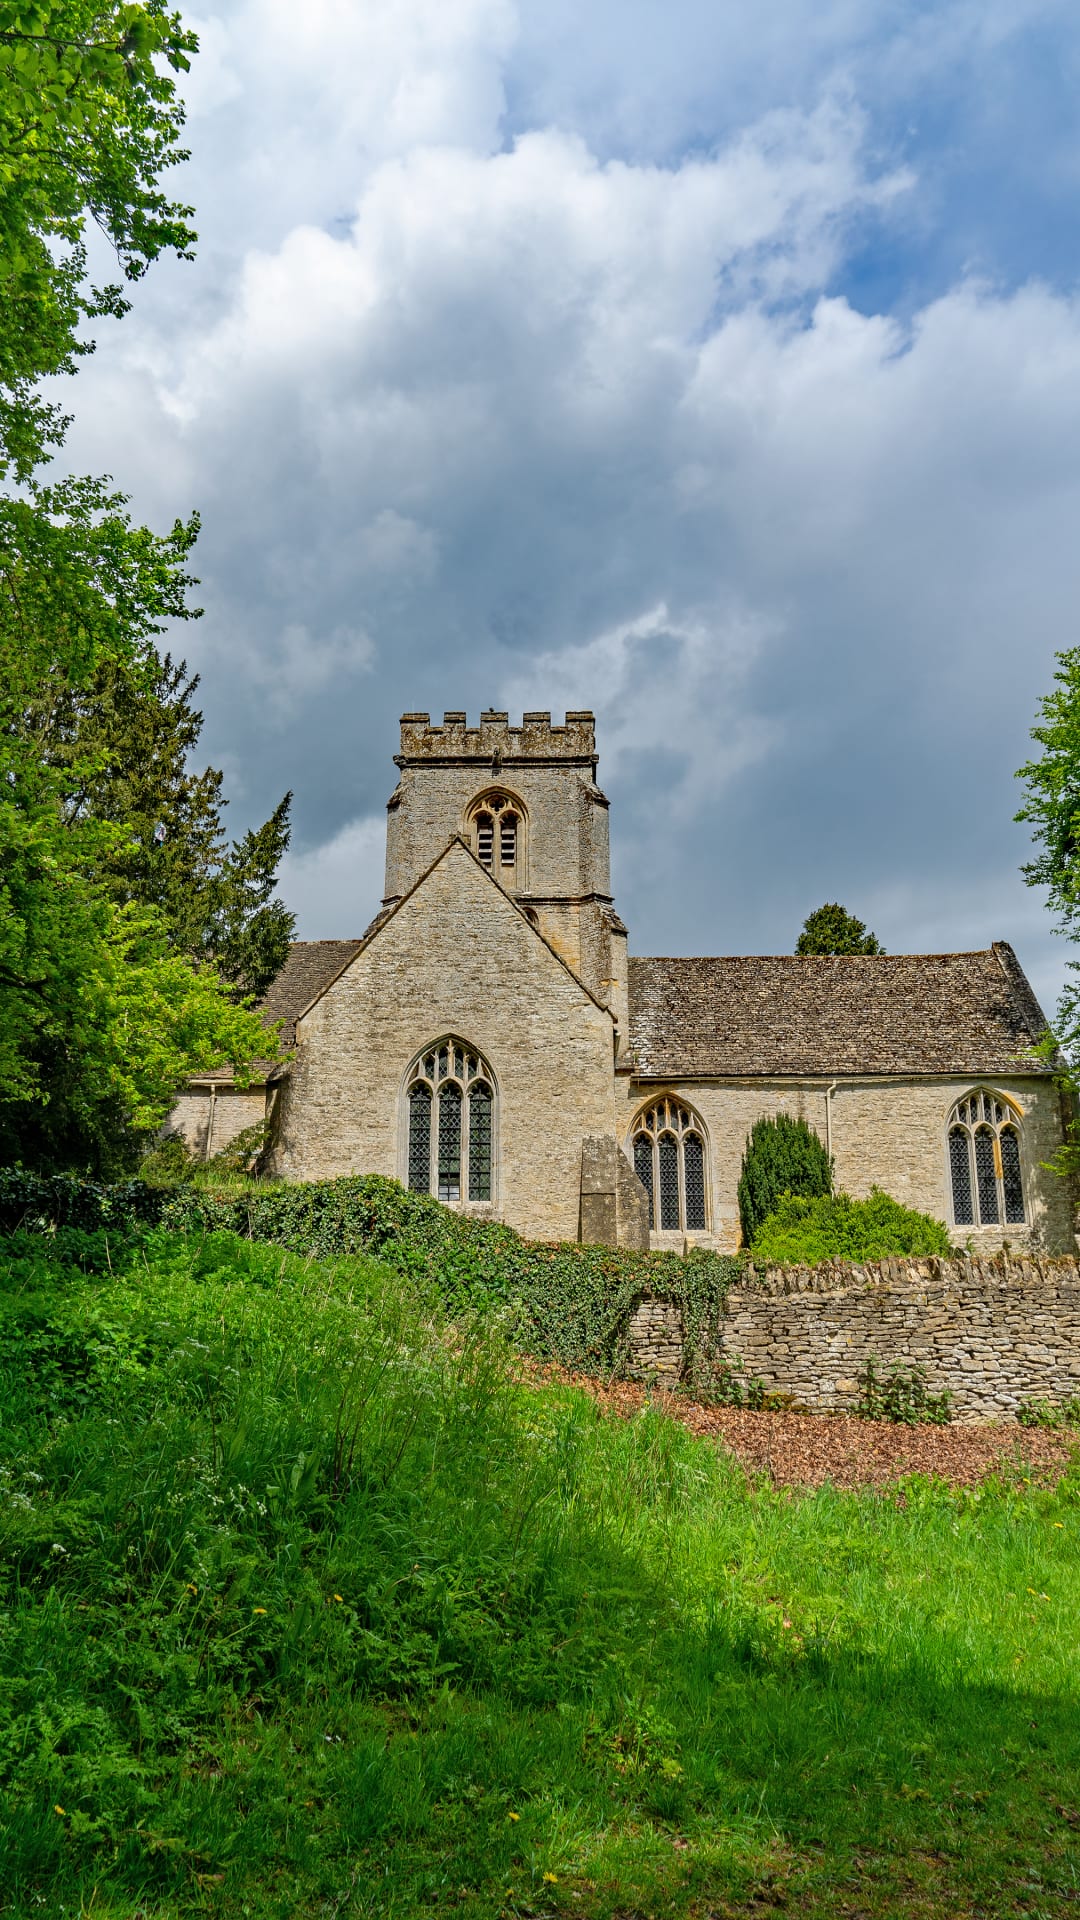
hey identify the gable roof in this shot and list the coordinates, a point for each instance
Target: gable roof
(382, 919)
(935, 1013)
(310, 967)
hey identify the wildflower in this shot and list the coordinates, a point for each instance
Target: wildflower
(191, 1587)
(337, 1597)
(1059, 1523)
(258, 1609)
(551, 1879)
(61, 1812)
(513, 1816)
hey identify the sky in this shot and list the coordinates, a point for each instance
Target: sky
(713, 366)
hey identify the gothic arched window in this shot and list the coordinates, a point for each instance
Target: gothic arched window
(985, 1180)
(669, 1160)
(450, 1122)
(496, 828)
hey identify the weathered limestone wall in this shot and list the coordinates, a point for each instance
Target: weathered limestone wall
(888, 1133)
(995, 1332)
(209, 1120)
(455, 959)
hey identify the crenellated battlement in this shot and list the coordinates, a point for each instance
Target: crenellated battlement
(537, 740)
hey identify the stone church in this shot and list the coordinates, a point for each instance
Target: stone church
(490, 1041)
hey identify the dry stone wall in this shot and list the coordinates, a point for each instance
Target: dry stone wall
(996, 1332)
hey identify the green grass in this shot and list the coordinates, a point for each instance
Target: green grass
(311, 1609)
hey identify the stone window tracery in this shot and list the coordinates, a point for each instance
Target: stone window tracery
(985, 1178)
(450, 1123)
(497, 833)
(669, 1160)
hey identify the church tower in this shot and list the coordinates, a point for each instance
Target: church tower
(525, 800)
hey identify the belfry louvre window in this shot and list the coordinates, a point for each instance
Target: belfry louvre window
(669, 1160)
(496, 823)
(450, 1121)
(986, 1182)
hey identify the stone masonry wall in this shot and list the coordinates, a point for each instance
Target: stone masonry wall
(455, 959)
(885, 1132)
(996, 1332)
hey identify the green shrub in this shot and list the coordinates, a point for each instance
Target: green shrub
(902, 1397)
(802, 1232)
(1050, 1413)
(560, 1301)
(782, 1156)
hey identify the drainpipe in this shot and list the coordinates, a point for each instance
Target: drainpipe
(829, 1091)
(210, 1122)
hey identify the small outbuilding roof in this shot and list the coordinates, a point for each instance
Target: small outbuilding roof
(310, 967)
(921, 1013)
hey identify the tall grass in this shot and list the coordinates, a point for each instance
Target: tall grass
(311, 1607)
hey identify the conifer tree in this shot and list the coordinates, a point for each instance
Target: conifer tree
(122, 743)
(782, 1155)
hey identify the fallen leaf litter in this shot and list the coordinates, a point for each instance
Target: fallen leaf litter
(808, 1450)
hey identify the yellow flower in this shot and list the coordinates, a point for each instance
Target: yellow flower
(60, 1811)
(1059, 1523)
(513, 1816)
(258, 1609)
(551, 1879)
(337, 1597)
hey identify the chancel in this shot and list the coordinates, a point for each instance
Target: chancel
(489, 1041)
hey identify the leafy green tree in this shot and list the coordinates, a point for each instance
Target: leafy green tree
(831, 929)
(123, 741)
(782, 1156)
(100, 1017)
(1052, 810)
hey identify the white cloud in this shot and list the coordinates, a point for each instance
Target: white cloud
(335, 889)
(480, 406)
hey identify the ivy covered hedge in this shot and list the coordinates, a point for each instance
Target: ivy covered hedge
(563, 1301)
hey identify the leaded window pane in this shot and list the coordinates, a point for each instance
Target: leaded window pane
(450, 1142)
(986, 1178)
(669, 1183)
(694, 1177)
(419, 1138)
(480, 1141)
(444, 1062)
(1010, 1177)
(643, 1167)
(960, 1170)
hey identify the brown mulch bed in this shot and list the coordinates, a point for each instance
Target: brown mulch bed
(806, 1450)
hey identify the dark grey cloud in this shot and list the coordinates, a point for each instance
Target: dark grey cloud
(520, 368)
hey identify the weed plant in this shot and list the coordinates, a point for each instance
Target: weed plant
(311, 1607)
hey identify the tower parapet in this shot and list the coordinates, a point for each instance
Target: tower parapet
(537, 739)
(525, 799)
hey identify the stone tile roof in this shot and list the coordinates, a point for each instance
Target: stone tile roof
(936, 1013)
(310, 967)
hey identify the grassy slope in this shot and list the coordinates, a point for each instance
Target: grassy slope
(310, 1609)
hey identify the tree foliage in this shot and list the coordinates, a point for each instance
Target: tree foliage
(122, 742)
(782, 1156)
(101, 1015)
(831, 929)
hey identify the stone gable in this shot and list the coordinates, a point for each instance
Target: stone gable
(458, 958)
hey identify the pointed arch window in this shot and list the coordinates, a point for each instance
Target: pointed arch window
(450, 1124)
(985, 1177)
(496, 828)
(669, 1160)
